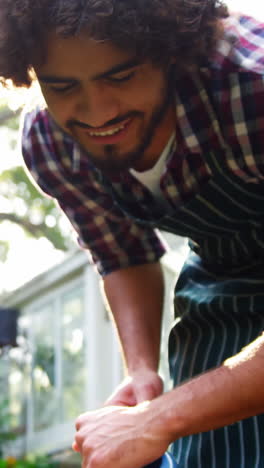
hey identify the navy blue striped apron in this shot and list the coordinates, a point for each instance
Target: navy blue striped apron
(219, 296)
(219, 307)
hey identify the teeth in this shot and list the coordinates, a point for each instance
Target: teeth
(108, 132)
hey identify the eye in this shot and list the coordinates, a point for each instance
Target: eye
(62, 88)
(121, 77)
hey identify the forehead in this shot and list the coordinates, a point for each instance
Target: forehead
(80, 55)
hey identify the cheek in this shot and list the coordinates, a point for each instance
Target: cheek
(149, 92)
(60, 111)
(58, 108)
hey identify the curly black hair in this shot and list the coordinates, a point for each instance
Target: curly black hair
(154, 29)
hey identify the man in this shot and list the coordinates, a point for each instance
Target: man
(154, 119)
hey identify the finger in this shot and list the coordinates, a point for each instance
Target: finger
(123, 397)
(85, 462)
(75, 447)
(81, 420)
(78, 424)
(117, 401)
(78, 442)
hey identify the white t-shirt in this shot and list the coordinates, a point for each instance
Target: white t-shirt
(151, 177)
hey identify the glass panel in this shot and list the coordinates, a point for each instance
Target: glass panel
(17, 392)
(19, 359)
(73, 354)
(45, 397)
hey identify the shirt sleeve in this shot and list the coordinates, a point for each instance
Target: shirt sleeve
(112, 238)
(243, 126)
(238, 84)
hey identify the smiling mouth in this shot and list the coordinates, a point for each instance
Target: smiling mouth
(109, 132)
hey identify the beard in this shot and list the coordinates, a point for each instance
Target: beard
(111, 160)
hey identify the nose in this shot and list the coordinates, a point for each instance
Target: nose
(97, 106)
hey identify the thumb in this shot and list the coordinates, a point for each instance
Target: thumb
(121, 401)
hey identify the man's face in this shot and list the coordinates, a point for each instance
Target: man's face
(115, 106)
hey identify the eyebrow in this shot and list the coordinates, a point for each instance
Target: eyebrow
(116, 69)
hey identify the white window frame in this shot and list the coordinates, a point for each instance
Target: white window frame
(60, 436)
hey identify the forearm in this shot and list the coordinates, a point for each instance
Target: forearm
(220, 397)
(232, 392)
(135, 296)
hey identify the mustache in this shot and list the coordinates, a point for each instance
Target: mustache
(71, 123)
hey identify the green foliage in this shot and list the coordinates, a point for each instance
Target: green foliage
(5, 418)
(9, 118)
(37, 462)
(4, 247)
(36, 214)
(44, 358)
(22, 203)
(7, 436)
(13, 122)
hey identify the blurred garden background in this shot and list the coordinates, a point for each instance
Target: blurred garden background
(41, 377)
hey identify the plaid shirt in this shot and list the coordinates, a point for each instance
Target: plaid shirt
(222, 105)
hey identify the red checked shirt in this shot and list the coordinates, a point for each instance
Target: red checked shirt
(221, 106)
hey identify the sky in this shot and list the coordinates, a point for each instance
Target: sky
(27, 257)
(251, 7)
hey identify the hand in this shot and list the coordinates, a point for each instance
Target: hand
(141, 386)
(120, 437)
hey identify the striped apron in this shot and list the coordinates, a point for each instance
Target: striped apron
(219, 301)
(219, 297)
(219, 306)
